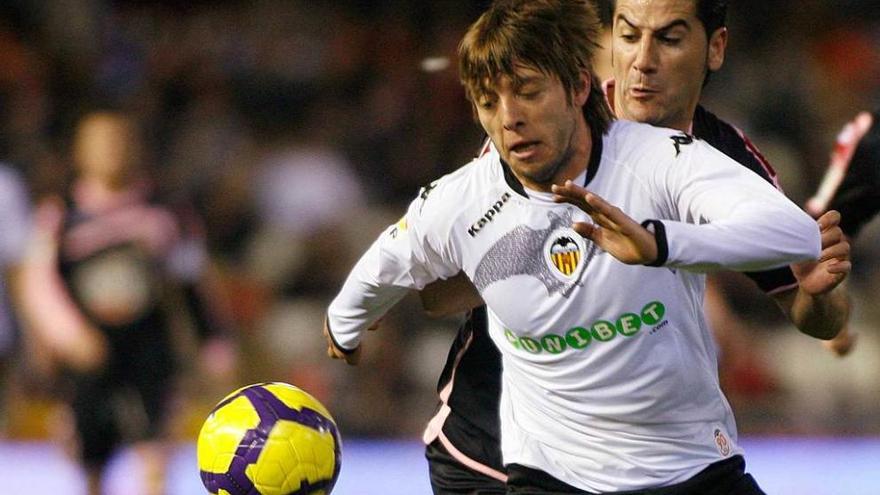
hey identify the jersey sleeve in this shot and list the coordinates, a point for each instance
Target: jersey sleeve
(733, 142)
(724, 216)
(408, 255)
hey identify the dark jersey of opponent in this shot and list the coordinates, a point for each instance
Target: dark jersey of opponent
(858, 197)
(472, 375)
(117, 262)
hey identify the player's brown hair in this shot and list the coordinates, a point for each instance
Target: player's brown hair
(557, 37)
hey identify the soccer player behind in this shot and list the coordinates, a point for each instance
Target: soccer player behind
(660, 63)
(594, 312)
(110, 272)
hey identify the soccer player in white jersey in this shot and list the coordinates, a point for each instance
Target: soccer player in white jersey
(674, 45)
(610, 380)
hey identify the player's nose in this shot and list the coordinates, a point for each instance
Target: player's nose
(512, 115)
(646, 56)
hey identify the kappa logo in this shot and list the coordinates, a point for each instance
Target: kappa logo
(400, 226)
(424, 192)
(680, 139)
(487, 217)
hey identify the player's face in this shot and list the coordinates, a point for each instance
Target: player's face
(537, 127)
(660, 55)
(105, 148)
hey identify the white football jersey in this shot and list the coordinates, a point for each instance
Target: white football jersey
(610, 375)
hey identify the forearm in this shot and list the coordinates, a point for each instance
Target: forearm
(376, 283)
(821, 316)
(750, 240)
(356, 308)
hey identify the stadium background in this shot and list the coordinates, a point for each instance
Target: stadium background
(300, 129)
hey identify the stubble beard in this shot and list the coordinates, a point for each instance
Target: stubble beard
(547, 175)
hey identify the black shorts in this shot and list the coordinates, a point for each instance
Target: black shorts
(727, 477)
(450, 477)
(124, 401)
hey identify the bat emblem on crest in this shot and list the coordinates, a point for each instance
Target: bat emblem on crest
(538, 253)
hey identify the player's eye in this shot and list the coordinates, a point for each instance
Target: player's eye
(669, 40)
(530, 94)
(629, 37)
(485, 99)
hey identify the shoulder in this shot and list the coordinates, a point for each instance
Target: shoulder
(456, 190)
(636, 143)
(733, 142)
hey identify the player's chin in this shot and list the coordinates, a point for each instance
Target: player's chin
(647, 112)
(533, 168)
(544, 175)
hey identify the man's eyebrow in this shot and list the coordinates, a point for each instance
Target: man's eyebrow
(666, 27)
(523, 80)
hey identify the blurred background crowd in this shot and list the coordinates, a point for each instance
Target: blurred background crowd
(298, 130)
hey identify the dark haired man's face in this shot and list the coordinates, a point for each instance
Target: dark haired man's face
(660, 56)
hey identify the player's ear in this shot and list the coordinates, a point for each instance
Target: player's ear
(581, 92)
(717, 47)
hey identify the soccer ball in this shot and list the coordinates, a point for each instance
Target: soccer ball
(269, 439)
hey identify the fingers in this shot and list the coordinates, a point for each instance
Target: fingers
(601, 211)
(839, 250)
(831, 236)
(829, 219)
(586, 230)
(351, 358)
(572, 194)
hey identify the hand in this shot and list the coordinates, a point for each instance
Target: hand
(613, 230)
(350, 357)
(821, 276)
(84, 351)
(843, 343)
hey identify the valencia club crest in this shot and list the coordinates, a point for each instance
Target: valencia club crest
(564, 252)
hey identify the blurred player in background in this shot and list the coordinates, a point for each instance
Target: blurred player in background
(14, 229)
(851, 186)
(113, 281)
(563, 411)
(662, 53)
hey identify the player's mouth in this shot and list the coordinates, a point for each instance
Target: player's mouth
(524, 150)
(643, 92)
